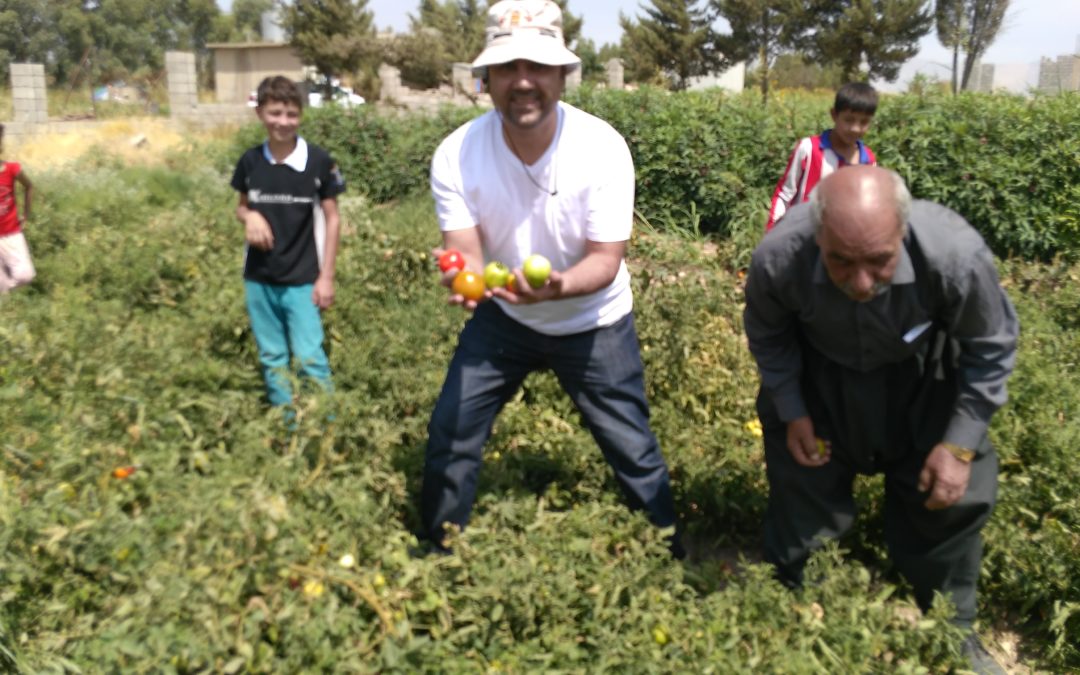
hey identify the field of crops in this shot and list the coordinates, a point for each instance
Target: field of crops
(238, 545)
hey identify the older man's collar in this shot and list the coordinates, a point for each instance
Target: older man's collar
(904, 274)
(297, 159)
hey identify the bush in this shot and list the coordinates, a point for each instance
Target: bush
(708, 162)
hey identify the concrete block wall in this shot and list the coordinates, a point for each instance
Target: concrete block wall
(183, 84)
(28, 93)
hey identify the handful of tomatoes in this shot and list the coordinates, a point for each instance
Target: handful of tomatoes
(471, 285)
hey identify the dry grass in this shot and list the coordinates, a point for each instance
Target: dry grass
(136, 140)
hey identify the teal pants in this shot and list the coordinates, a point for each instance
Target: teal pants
(286, 323)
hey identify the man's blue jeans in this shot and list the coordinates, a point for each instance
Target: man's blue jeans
(285, 321)
(601, 370)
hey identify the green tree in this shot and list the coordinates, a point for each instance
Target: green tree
(883, 34)
(457, 24)
(970, 26)
(673, 37)
(247, 18)
(760, 30)
(27, 33)
(335, 36)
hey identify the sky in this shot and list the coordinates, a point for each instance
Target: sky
(1033, 29)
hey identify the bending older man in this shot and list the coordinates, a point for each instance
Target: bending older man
(884, 342)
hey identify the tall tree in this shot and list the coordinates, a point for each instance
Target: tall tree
(674, 37)
(335, 36)
(882, 33)
(949, 21)
(457, 24)
(760, 30)
(970, 26)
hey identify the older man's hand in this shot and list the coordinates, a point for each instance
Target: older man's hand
(804, 445)
(945, 477)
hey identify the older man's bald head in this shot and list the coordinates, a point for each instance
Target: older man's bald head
(866, 198)
(861, 217)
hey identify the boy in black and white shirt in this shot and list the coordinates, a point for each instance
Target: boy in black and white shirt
(288, 204)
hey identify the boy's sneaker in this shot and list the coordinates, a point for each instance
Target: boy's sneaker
(982, 662)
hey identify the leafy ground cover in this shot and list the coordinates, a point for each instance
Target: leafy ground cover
(239, 546)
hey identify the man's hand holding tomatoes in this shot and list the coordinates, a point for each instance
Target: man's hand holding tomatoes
(524, 294)
(450, 271)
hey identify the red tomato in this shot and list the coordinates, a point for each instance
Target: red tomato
(123, 472)
(468, 284)
(451, 260)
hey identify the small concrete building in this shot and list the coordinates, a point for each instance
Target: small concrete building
(240, 66)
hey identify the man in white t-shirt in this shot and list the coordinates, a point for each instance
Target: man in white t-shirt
(538, 176)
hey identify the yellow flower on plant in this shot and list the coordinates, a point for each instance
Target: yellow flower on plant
(754, 427)
(313, 589)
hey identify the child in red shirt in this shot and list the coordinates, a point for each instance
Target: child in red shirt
(815, 157)
(16, 268)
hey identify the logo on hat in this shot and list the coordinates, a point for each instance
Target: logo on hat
(529, 30)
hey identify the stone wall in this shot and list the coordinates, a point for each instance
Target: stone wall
(28, 93)
(183, 83)
(30, 103)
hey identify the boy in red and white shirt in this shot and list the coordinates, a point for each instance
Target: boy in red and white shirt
(16, 269)
(817, 156)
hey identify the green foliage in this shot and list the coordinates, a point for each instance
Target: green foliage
(710, 160)
(335, 36)
(224, 552)
(796, 71)
(970, 26)
(976, 153)
(673, 37)
(885, 33)
(760, 31)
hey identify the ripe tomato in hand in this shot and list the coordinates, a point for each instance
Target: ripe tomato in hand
(469, 285)
(451, 260)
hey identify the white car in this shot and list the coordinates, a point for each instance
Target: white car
(342, 96)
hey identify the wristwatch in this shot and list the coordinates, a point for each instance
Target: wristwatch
(963, 454)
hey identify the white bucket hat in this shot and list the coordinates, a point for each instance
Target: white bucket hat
(524, 29)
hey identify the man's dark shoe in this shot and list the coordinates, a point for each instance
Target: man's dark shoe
(981, 661)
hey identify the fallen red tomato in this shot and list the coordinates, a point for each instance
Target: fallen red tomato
(123, 472)
(451, 260)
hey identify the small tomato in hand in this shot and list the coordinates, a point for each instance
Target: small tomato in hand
(451, 260)
(536, 268)
(469, 285)
(496, 274)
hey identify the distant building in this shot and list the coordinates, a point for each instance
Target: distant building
(240, 66)
(733, 79)
(1060, 75)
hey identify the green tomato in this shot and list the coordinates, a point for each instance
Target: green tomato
(496, 274)
(537, 269)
